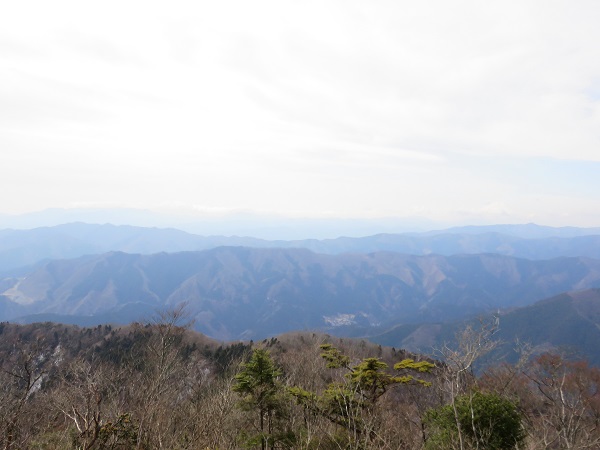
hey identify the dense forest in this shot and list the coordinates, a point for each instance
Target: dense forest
(160, 385)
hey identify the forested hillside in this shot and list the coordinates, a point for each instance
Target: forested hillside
(568, 322)
(243, 293)
(160, 385)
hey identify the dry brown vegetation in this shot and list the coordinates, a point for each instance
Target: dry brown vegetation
(160, 385)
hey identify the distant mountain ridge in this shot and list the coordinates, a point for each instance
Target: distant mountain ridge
(238, 292)
(263, 225)
(22, 248)
(524, 231)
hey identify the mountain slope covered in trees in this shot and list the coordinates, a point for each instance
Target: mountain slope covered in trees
(568, 323)
(239, 292)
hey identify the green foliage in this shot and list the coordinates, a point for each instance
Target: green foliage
(416, 366)
(257, 384)
(370, 379)
(335, 359)
(368, 374)
(488, 421)
(256, 380)
(350, 402)
(302, 396)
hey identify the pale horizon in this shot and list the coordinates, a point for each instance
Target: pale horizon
(267, 226)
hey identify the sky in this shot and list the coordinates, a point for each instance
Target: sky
(463, 112)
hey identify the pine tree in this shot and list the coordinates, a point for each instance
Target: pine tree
(257, 384)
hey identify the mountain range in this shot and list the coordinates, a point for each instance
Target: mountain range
(407, 290)
(24, 248)
(240, 292)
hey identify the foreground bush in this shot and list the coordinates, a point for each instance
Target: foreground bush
(478, 420)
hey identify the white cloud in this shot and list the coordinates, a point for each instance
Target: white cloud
(355, 108)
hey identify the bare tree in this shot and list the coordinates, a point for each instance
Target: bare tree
(163, 377)
(20, 377)
(567, 414)
(90, 396)
(457, 375)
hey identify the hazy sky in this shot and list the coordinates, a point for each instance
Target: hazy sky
(477, 111)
